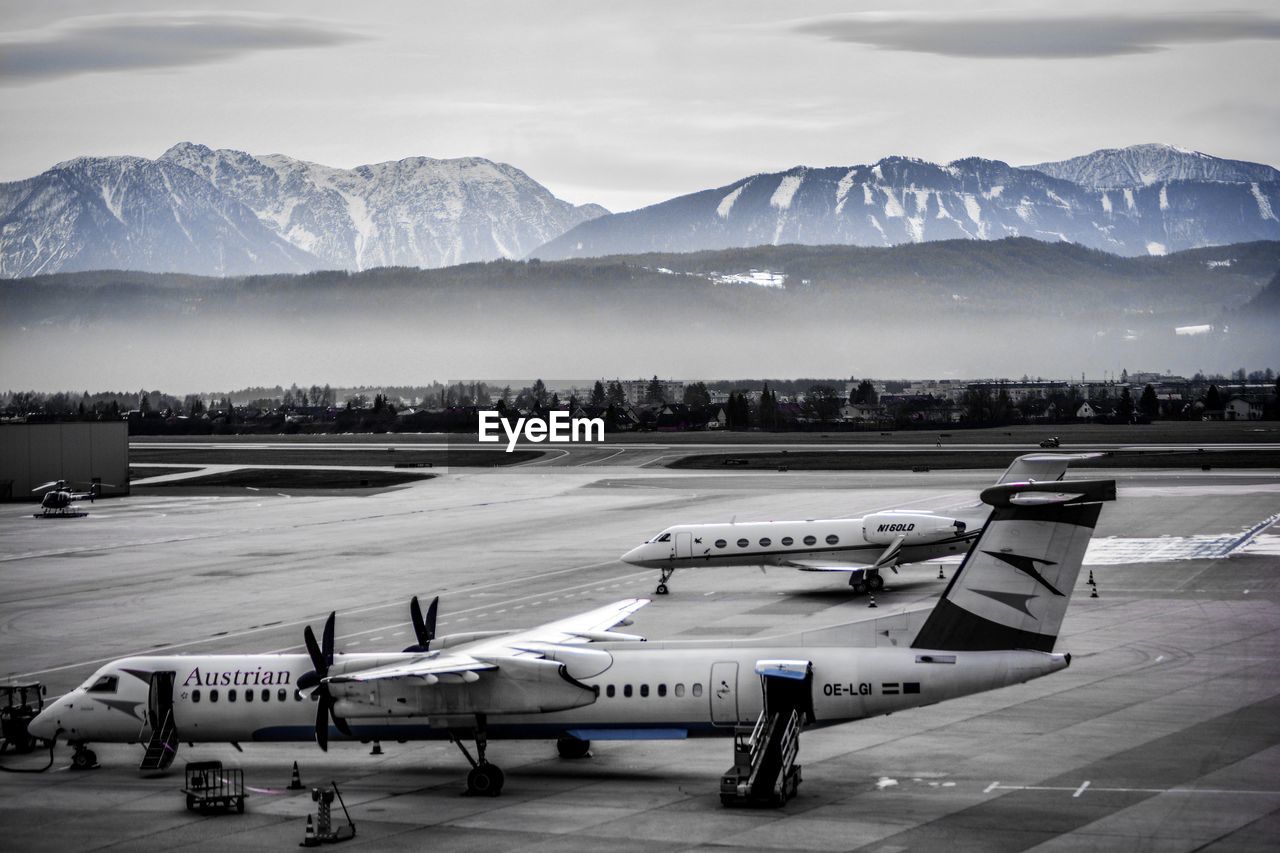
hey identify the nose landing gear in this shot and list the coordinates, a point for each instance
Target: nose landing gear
(662, 582)
(83, 758)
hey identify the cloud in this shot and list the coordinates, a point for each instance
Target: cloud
(141, 42)
(1011, 36)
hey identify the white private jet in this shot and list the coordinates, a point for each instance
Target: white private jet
(577, 680)
(859, 547)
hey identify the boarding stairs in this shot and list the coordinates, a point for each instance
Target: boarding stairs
(764, 772)
(163, 746)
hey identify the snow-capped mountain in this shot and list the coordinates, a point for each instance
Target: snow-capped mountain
(132, 213)
(902, 200)
(1144, 165)
(414, 212)
(225, 212)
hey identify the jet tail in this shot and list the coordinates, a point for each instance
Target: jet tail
(1041, 467)
(1012, 590)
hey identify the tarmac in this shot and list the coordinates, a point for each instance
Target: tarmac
(1162, 735)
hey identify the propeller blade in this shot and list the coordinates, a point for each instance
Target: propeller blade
(44, 486)
(419, 626)
(431, 618)
(327, 646)
(313, 649)
(322, 722)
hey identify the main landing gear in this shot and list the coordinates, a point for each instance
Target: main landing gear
(571, 747)
(868, 582)
(485, 779)
(662, 582)
(83, 758)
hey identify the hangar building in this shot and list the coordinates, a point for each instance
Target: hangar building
(33, 454)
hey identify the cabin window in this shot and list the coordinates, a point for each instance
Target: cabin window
(105, 684)
(644, 690)
(787, 540)
(720, 543)
(248, 696)
(833, 539)
(195, 695)
(626, 690)
(679, 689)
(282, 694)
(742, 543)
(662, 690)
(266, 695)
(610, 691)
(810, 540)
(213, 695)
(766, 542)
(231, 695)
(697, 688)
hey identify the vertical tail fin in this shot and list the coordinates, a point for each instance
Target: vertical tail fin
(1012, 590)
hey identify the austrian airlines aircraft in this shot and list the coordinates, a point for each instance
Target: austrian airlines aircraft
(577, 680)
(859, 547)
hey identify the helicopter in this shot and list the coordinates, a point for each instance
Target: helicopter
(59, 495)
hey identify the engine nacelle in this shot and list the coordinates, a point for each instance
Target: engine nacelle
(919, 528)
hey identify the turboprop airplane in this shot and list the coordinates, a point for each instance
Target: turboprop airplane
(577, 680)
(858, 547)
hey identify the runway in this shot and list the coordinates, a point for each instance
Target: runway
(1161, 735)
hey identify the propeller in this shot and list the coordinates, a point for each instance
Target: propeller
(322, 660)
(423, 629)
(49, 485)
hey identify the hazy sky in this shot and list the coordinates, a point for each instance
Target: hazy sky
(626, 104)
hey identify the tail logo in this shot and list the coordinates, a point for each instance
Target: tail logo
(1026, 565)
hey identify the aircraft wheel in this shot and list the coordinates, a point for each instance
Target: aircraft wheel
(859, 588)
(485, 780)
(661, 590)
(572, 747)
(876, 583)
(84, 759)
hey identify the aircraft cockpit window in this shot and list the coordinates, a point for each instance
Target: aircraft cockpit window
(666, 537)
(105, 684)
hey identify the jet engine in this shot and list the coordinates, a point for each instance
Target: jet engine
(916, 528)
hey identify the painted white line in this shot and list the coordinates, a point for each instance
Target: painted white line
(1080, 790)
(713, 592)
(991, 787)
(996, 786)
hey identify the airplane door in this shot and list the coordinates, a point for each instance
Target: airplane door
(724, 693)
(160, 698)
(684, 545)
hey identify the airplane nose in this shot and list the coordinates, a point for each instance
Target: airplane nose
(634, 556)
(45, 724)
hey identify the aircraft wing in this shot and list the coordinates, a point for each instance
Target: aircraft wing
(592, 626)
(428, 667)
(518, 649)
(826, 567)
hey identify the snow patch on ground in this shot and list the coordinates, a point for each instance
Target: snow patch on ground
(994, 192)
(1058, 200)
(1106, 203)
(1164, 197)
(760, 278)
(842, 190)
(885, 782)
(1154, 248)
(1267, 543)
(868, 197)
(973, 208)
(1264, 204)
(786, 191)
(915, 225)
(892, 208)
(1128, 199)
(922, 200)
(876, 224)
(1215, 264)
(1201, 329)
(726, 203)
(1024, 210)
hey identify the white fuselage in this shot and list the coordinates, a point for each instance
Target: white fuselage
(776, 543)
(646, 690)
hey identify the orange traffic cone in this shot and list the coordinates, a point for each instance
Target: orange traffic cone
(309, 839)
(295, 784)
(873, 600)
